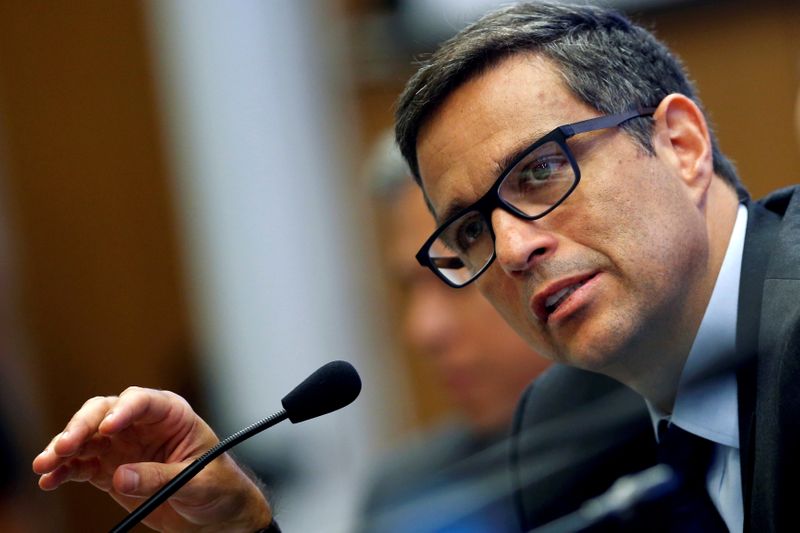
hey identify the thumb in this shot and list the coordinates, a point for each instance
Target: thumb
(144, 479)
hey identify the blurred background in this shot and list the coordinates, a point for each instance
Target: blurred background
(182, 206)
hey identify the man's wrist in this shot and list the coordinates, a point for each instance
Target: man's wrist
(260, 499)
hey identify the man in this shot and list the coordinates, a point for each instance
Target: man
(615, 243)
(611, 245)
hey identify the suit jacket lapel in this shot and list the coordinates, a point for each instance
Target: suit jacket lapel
(759, 240)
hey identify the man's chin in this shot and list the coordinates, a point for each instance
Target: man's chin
(595, 345)
(598, 357)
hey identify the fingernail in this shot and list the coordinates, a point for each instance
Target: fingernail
(107, 419)
(129, 481)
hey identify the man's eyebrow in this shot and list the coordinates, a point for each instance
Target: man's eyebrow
(450, 211)
(521, 148)
(432, 210)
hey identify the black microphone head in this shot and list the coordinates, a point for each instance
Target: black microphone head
(331, 387)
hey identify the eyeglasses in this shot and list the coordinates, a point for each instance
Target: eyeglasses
(536, 182)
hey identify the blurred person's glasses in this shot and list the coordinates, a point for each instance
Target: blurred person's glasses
(536, 181)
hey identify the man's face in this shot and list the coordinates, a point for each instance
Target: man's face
(481, 362)
(630, 242)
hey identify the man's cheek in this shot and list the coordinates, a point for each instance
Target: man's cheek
(498, 289)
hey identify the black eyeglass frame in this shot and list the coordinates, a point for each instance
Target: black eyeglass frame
(491, 200)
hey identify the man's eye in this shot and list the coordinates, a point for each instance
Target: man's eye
(539, 171)
(470, 231)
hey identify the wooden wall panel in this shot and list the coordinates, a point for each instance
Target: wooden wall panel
(745, 60)
(100, 281)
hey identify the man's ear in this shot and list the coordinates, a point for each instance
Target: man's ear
(681, 140)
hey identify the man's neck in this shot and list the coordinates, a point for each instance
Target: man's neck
(660, 386)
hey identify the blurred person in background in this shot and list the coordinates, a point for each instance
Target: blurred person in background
(455, 476)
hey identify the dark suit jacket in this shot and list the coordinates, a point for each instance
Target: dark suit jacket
(768, 342)
(575, 433)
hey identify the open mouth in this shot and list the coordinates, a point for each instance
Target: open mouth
(554, 300)
(547, 305)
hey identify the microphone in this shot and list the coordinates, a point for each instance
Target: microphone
(619, 501)
(331, 387)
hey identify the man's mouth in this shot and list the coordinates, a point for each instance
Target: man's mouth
(548, 300)
(554, 300)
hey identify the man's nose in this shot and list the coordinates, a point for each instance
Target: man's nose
(519, 243)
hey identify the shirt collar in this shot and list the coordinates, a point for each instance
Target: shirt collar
(709, 408)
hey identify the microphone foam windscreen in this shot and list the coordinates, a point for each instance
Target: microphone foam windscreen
(331, 387)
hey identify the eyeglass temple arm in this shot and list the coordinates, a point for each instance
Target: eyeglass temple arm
(608, 121)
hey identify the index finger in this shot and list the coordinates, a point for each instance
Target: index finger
(79, 430)
(145, 406)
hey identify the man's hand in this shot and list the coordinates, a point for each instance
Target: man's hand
(132, 444)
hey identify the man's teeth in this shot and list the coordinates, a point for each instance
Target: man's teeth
(556, 298)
